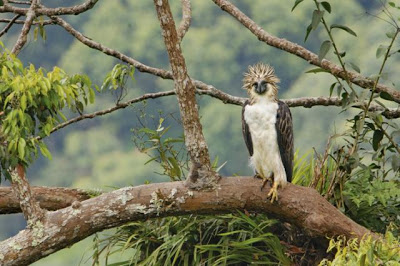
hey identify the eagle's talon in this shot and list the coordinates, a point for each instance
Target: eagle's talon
(266, 180)
(273, 193)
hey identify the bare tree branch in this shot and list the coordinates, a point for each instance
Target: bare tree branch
(8, 26)
(48, 198)
(67, 226)
(23, 36)
(19, 2)
(22, 191)
(46, 22)
(41, 10)
(112, 109)
(186, 19)
(302, 52)
(306, 102)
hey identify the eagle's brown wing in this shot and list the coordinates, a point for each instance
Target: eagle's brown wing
(284, 130)
(246, 131)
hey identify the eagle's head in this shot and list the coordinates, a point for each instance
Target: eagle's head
(260, 82)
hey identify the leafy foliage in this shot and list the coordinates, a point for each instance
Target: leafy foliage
(385, 251)
(196, 240)
(31, 101)
(168, 152)
(372, 202)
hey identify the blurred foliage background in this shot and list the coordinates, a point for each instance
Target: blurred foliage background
(100, 153)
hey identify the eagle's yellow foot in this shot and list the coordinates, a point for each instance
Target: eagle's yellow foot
(273, 193)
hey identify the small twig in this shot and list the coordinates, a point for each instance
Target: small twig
(8, 26)
(112, 109)
(186, 19)
(46, 22)
(19, 2)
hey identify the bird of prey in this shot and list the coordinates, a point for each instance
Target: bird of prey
(267, 128)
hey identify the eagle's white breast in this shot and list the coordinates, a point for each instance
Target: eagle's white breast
(266, 159)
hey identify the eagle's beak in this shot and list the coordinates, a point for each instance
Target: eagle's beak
(261, 87)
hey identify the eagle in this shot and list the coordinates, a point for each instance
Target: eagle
(267, 128)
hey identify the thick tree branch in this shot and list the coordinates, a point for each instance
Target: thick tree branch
(48, 198)
(186, 19)
(302, 52)
(201, 175)
(301, 206)
(22, 191)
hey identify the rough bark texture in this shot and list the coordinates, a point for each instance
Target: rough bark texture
(301, 206)
(201, 174)
(22, 191)
(48, 198)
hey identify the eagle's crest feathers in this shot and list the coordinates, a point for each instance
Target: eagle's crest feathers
(257, 73)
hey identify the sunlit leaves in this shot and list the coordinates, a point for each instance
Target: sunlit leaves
(117, 77)
(31, 101)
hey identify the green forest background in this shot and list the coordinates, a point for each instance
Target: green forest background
(100, 153)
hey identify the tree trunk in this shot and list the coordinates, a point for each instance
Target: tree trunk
(201, 174)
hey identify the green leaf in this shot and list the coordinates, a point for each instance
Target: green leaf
(21, 148)
(392, 4)
(381, 50)
(326, 6)
(355, 67)
(44, 150)
(309, 28)
(376, 139)
(331, 88)
(35, 33)
(325, 46)
(395, 163)
(296, 4)
(148, 131)
(176, 168)
(345, 28)
(91, 95)
(316, 18)
(23, 102)
(386, 96)
(391, 34)
(317, 70)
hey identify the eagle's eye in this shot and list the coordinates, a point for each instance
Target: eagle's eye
(255, 85)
